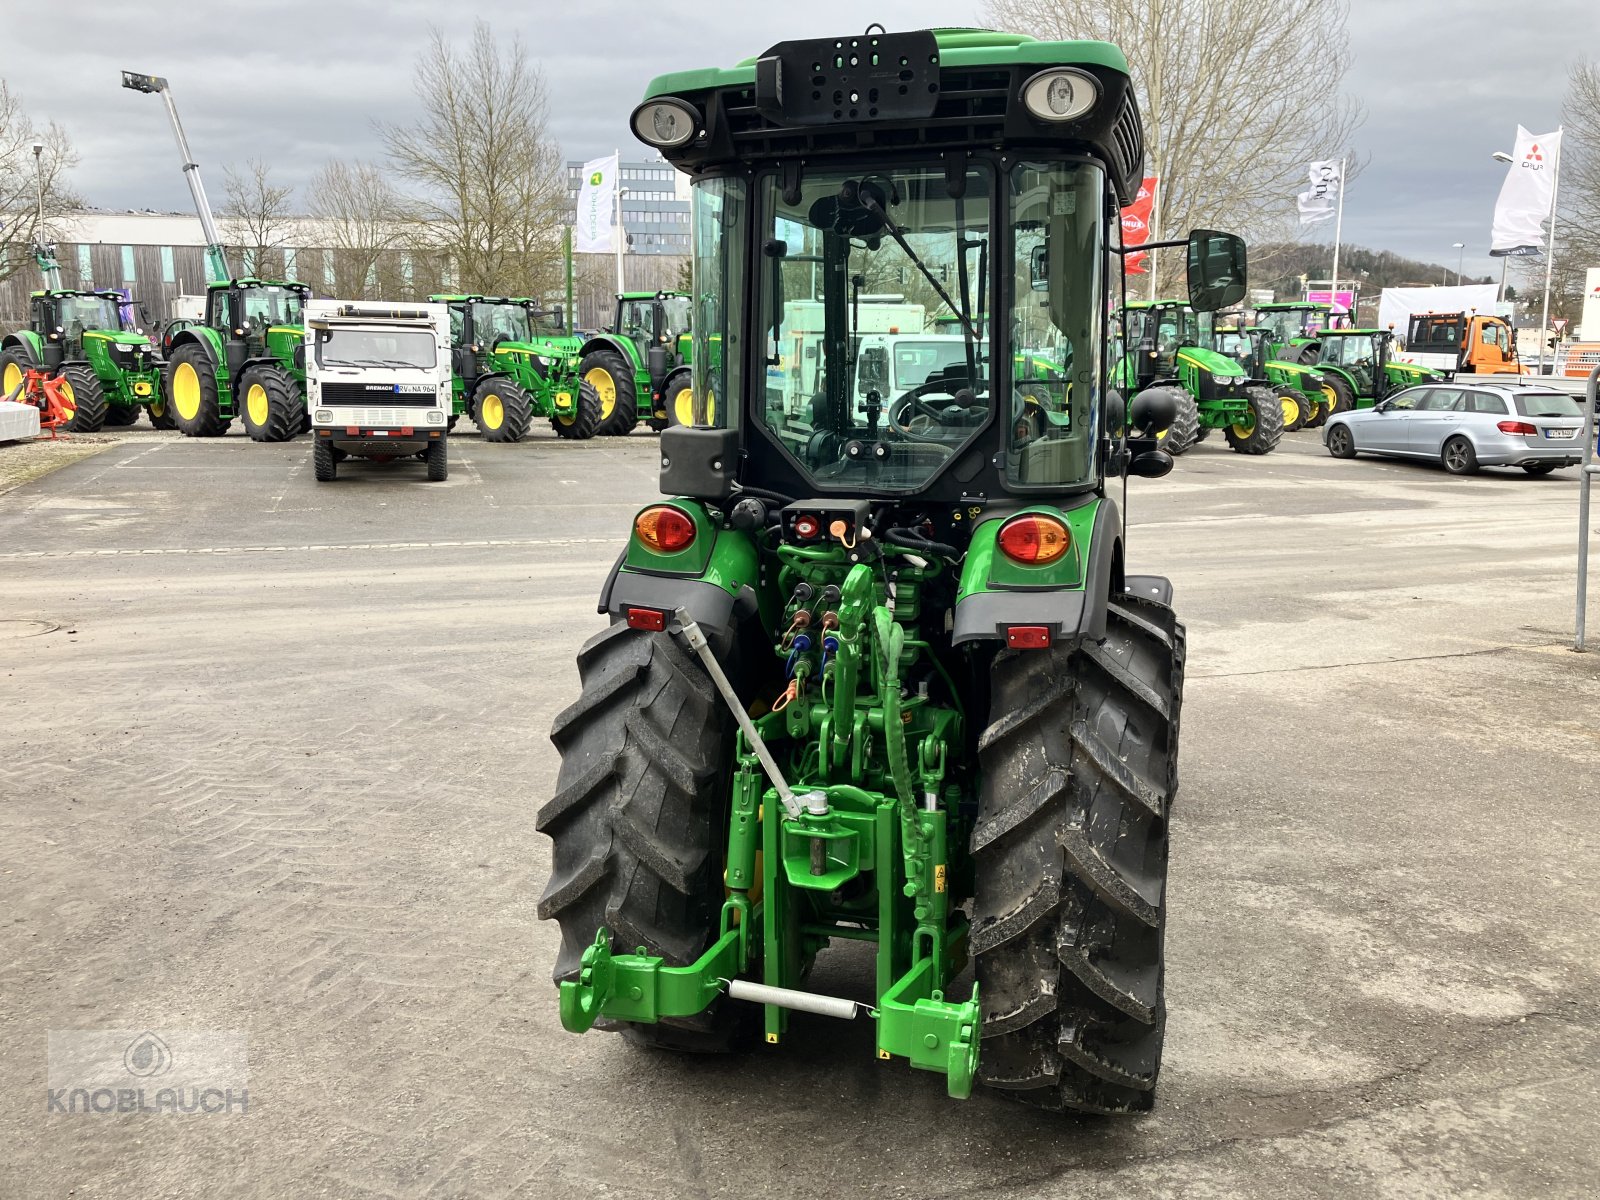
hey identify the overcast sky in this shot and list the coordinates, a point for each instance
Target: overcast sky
(1444, 82)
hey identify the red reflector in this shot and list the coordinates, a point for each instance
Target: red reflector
(407, 431)
(353, 430)
(665, 529)
(647, 618)
(807, 527)
(1034, 538)
(1028, 637)
(1516, 427)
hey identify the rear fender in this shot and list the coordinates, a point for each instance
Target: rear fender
(1068, 597)
(25, 339)
(617, 345)
(713, 579)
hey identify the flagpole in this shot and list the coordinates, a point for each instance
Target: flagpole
(1152, 234)
(1338, 234)
(1550, 250)
(622, 237)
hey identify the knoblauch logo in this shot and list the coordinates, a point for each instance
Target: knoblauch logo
(147, 1056)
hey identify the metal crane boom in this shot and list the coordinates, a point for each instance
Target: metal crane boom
(216, 257)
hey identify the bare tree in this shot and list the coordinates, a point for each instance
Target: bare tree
(360, 221)
(257, 217)
(20, 173)
(489, 182)
(1237, 97)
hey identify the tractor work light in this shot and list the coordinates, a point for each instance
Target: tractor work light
(665, 529)
(665, 123)
(1034, 539)
(1059, 94)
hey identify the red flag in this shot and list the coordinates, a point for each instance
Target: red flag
(1136, 223)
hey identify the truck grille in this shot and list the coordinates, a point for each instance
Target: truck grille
(376, 393)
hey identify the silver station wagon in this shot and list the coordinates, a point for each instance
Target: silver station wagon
(1466, 426)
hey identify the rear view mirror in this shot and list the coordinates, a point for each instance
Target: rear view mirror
(873, 369)
(1217, 270)
(1038, 270)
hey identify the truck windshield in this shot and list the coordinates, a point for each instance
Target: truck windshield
(78, 313)
(493, 323)
(376, 348)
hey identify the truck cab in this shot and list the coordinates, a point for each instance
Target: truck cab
(378, 383)
(1462, 343)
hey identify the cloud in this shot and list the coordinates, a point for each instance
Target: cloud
(1445, 83)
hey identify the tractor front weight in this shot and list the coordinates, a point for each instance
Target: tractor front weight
(820, 858)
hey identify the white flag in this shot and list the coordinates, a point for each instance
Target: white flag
(1524, 203)
(594, 227)
(1326, 183)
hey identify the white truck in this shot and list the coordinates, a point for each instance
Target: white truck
(378, 383)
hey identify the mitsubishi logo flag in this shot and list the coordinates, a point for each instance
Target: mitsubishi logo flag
(1524, 204)
(1320, 203)
(594, 229)
(1136, 223)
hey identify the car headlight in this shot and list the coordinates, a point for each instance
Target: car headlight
(323, 416)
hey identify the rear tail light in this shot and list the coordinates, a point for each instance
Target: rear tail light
(665, 529)
(1028, 637)
(1034, 539)
(647, 618)
(1517, 427)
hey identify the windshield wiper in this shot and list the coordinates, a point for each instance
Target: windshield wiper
(869, 202)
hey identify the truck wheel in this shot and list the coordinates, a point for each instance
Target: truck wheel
(323, 465)
(81, 391)
(501, 409)
(438, 460)
(1080, 766)
(639, 820)
(271, 404)
(1343, 398)
(15, 364)
(1294, 408)
(451, 423)
(120, 416)
(189, 386)
(583, 423)
(1262, 429)
(1185, 428)
(612, 379)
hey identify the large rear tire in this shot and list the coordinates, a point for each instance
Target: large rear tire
(612, 379)
(83, 393)
(1185, 428)
(271, 404)
(639, 819)
(1080, 767)
(501, 409)
(189, 386)
(1262, 432)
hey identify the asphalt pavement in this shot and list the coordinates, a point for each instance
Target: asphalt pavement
(272, 752)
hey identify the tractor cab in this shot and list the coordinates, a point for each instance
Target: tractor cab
(1154, 331)
(63, 318)
(108, 367)
(1364, 359)
(1292, 324)
(253, 309)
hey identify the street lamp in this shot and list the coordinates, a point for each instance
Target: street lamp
(1462, 247)
(1500, 296)
(622, 233)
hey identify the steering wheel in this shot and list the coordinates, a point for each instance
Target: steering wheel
(910, 407)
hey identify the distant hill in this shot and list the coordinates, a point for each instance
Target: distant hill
(1279, 266)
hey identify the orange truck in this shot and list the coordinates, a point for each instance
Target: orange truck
(1462, 343)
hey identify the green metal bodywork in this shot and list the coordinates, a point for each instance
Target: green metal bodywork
(876, 863)
(1369, 385)
(1305, 317)
(1216, 381)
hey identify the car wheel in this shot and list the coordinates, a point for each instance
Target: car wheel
(1459, 457)
(1340, 442)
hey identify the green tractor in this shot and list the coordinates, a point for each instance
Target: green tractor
(875, 671)
(108, 370)
(1168, 347)
(244, 359)
(1358, 366)
(639, 369)
(510, 363)
(1291, 324)
(1306, 394)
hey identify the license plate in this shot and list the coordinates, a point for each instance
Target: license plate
(1561, 433)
